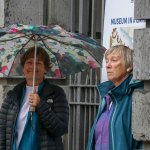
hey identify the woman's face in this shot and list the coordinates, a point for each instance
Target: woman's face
(39, 72)
(115, 67)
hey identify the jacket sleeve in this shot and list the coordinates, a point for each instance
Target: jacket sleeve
(53, 113)
(3, 117)
(137, 144)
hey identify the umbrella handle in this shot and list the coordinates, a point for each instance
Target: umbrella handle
(32, 109)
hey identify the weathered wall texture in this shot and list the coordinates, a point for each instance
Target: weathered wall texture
(142, 54)
(59, 13)
(141, 98)
(141, 120)
(1, 13)
(23, 11)
(142, 9)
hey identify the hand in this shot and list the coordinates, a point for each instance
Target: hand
(34, 99)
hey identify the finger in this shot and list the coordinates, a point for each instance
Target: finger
(33, 96)
(31, 101)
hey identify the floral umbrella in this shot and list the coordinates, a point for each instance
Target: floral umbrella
(69, 52)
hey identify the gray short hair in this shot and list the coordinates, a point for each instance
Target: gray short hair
(125, 51)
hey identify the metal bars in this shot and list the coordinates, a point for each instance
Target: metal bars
(83, 101)
(93, 22)
(83, 95)
(86, 17)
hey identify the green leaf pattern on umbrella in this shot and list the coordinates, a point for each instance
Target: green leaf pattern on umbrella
(69, 52)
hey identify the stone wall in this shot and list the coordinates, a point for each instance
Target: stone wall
(23, 11)
(1, 13)
(141, 98)
(59, 13)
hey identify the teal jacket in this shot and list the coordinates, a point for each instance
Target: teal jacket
(120, 130)
(30, 135)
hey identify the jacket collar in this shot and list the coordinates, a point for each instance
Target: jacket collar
(124, 88)
(46, 89)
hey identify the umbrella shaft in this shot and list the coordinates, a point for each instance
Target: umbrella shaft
(35, 51)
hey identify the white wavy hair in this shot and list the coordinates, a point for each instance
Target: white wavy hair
(125, 51)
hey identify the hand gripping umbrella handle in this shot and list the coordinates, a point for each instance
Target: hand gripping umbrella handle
(32, 108)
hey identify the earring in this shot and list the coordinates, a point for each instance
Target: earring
(128, 69)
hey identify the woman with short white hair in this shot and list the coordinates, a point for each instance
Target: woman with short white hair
(112, 127)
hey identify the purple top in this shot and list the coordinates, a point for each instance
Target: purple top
(102, 127)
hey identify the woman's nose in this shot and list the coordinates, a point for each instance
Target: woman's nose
(108, 64)
(31, 65)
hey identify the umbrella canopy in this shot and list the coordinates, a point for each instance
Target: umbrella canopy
(69, 52)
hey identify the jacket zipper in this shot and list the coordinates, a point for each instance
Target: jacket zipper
(112, 124)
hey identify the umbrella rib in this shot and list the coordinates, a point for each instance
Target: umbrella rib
(77, 45)
(45, 44)
(31, 38)
(17, 38)
(21, 49)
(91, 54)
(72, 43)
(28, 37)
(54, 39)
(51, 52)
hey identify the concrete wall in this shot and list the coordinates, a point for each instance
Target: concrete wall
(23, 11)
(1, 13)
(141, 98)
(59, 13)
